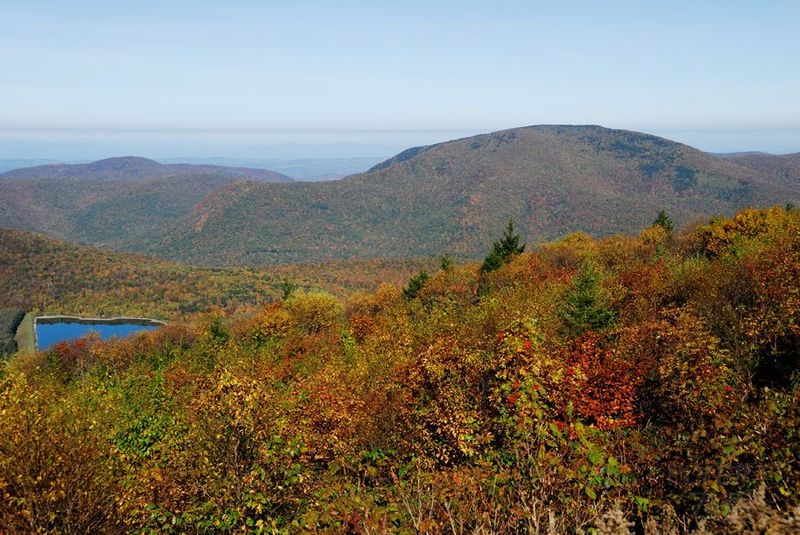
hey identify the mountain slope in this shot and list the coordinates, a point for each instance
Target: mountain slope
(38, 272)
(133, 167)
(785, 167)
(455, 197)
(119, 202)
(585, 376)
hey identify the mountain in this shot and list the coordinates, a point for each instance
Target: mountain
(47, 275)
(8, 165)
(455, 197)
(52, 276)
(307, 169)
(118, 202)
(785, 167)
(135, 168)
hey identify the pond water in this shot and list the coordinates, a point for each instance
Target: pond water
(52, 330)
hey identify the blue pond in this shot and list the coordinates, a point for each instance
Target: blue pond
(50, 331)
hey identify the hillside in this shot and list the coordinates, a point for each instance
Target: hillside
(43, 274)
(118, 202)
(306, 169)
(454, 197)
(642, 384)
(785, 167)
(10, 164)
(134, 168)
(40, 273)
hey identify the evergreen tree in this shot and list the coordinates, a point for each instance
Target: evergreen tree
(664, 221)
(585, 307)
(287, 288)
(503, 250)
(446, 263)
(415, 284)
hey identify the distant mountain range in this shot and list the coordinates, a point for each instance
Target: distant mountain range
(308, 169)
(117, 202)
(453, 197)
(135, 168)
(16, 163)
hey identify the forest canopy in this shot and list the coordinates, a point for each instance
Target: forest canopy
(649, 382)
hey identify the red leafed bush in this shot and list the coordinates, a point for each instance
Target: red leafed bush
(600, 386)
(72, 357)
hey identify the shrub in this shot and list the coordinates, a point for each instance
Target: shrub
(315, 311)
(55, 470)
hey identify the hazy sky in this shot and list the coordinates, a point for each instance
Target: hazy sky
(210, 77)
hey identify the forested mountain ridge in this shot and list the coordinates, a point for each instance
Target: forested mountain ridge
(38, 273)
(137, 168)
(118, 202)
(450, 197)
(780, 166)
(454, 196)
(43, 274)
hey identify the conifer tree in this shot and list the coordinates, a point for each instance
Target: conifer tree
(446, 263)
(287, 288)
(585, 306)
(663, 221)
(503, 250)
(415, 284)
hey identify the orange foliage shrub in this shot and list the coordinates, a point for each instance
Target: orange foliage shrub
(272, 321)
(73, 357)
(331, 414)
(314, 312)
(747, 223)
(600, 386)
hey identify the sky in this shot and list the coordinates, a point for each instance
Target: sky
(363, 78)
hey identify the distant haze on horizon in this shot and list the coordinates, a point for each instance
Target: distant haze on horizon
(306, 79)
(71, 146)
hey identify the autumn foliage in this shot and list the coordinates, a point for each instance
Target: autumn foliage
(649, 382)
